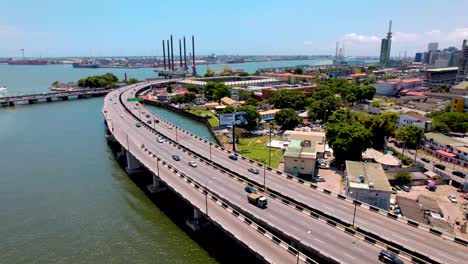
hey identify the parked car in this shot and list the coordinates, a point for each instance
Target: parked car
(394, 190)
(193, 164)
(156, 121)
(452, 198)
(386, 256)
(405, 188)
(318, 178)
(149, 122)
(411, 151)
(253, 170)
(440, 166)
(459, 174)
(160, 140)
(147, 116)
(250, 189)
(176, 157)
(233, 156)
(397, 187)
(138, 125)
(426, 160)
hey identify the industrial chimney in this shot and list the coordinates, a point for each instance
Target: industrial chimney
(168, 55)
(180, 53)
(172, 54)
(164, 54)
(185, 57)
(194, 68)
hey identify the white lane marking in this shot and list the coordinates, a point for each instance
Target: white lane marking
(320, 241)
(329, 208)
(445, 256)
(350, 256)
(402, 238)
(360, 249)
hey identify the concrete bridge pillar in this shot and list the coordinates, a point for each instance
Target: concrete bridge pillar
(31, 101)
(197, 221)
(12, 103)
(133, 165)
(157, 186)
(49, 99)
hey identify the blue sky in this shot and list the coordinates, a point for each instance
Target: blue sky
(110, 28)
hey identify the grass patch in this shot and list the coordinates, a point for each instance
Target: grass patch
(212, 119)
(255, 149)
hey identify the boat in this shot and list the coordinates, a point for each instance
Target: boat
(85, 65)
(28, 62)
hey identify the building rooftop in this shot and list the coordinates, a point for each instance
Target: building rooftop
(304, 135)
(411, 80)
(416, 117)
(463, 85)
(269, 112)
(442, 69)
(371, 173)
(446, 140)
(301, 149)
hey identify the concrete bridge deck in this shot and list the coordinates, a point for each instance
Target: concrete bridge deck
(283, 217)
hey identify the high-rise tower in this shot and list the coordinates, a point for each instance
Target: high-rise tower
(462, 73)
(385, 47)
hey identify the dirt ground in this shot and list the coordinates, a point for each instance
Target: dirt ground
(452, 211)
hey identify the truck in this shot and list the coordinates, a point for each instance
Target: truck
(257, 200)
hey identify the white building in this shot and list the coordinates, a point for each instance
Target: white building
(415, 119)
(368, 183)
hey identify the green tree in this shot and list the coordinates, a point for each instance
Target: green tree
(132, 81)
(382, 126)
(176, 99)
(253, 115)
(450, 121)
(410, 135)
(169, 89)
(193, 88)
(210, 88)
(288, 99)
(221, 90)
(209, 73)
(229, 109)
(188, 97)
(403, 177)
(243, 74)
(348, 141)
(287, 118)
(107, 80)
(323, 108)
(298, 70)
(244, 95)
(55, 83)
(251, 102)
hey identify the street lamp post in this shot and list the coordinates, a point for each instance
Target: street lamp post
(264, 178)
(355, 206)
(210, 150)
(269, 149)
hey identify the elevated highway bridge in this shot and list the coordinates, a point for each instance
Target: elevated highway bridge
(300, 217)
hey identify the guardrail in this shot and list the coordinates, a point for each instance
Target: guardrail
(366, 236)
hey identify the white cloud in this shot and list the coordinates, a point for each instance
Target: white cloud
(353, 37)
(308, 43)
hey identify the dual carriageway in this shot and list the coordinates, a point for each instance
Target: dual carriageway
(314, 221)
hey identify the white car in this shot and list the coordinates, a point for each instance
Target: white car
(193, 164)
(160, 140)
(452, 198)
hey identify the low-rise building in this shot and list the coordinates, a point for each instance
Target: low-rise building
(368, 183)
(449, 147)
(461, 88)
(415, 119)
(386, 160)
(439, 76)
(231, 102)
(300, 157)
(268, 115)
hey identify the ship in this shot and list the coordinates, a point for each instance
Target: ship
(28, 62)
(85, 65)
(236, 61)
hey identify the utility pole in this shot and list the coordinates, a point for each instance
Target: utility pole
(269, 148)
(210, 149)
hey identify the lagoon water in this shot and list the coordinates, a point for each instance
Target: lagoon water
(64, 198)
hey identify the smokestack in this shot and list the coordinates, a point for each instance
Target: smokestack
(168, 56)
(336, 51)
(185, 56)
(193, 56)
(180, 53)
(172, 54)
(126, 77)
(164, 54)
